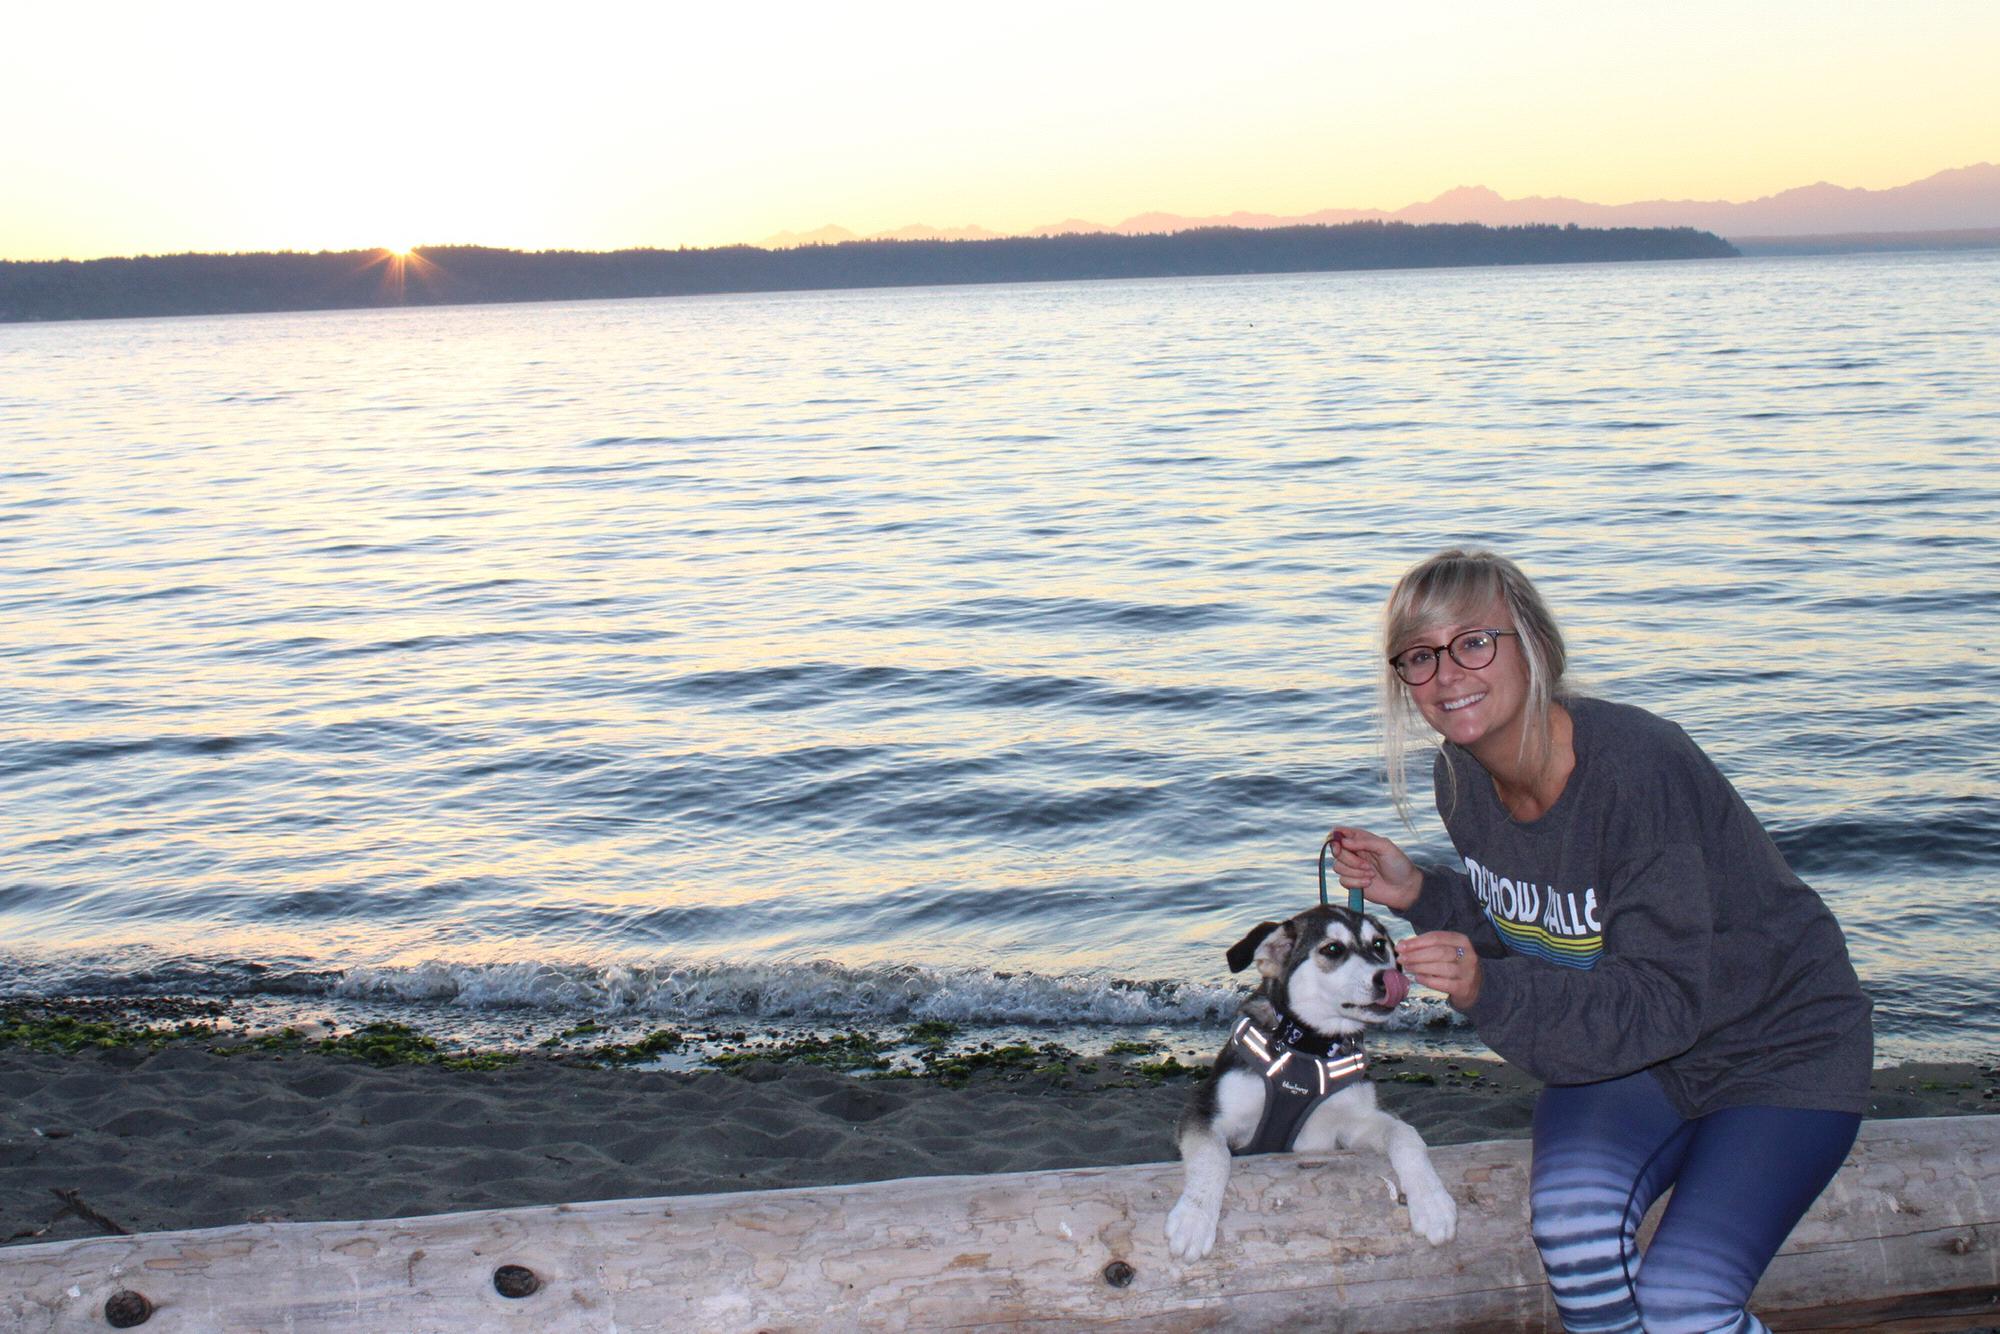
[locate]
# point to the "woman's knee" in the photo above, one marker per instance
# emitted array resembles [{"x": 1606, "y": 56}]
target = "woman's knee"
[
  {"x": 1582, "y": 1188},
  {"x": 1565, "y": 1205},
  {"x": 1582, "y": 1229},
  {"x": 1678, "y": 1303}
]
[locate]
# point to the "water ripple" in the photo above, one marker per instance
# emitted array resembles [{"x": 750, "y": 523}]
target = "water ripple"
[{"x": 607, "y": 653}]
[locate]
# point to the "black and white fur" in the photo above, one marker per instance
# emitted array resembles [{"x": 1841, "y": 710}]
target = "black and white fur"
[{"x": 1326, "y": 968}]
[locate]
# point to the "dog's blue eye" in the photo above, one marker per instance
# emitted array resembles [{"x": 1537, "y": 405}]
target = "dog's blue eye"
[
  {"x": 1378, "y": 949},
  {"x": 1333, "y": 949}
]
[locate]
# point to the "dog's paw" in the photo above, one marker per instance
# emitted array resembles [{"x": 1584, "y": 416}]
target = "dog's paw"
[
  {"x": 1433, "y": 1213},
  {"x": 1191, "y": 1230}
]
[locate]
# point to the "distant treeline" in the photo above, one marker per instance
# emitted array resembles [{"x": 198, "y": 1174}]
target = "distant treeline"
[{"x": 451, "y": 275}]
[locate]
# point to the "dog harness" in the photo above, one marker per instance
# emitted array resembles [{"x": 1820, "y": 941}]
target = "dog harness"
[{"x": 1301, "y": 1069}]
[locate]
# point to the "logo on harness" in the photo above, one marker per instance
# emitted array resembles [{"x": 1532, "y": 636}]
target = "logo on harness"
[{"x": 1334, "y": 1065}]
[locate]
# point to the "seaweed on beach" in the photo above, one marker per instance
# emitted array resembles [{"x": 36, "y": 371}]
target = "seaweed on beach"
[
  {"x": 648, "y": 1048},
  {"x": 1171, "y": 1067},
  {"x": 1012, "y": 1058},
  {"x": 927, "y": 1050},
  {"x": 62, "y": 1031},
  {"x": 379, "y": 1044},
  {"x": 854, "y": 1051},
  {"x": 399, "y": 1044}
]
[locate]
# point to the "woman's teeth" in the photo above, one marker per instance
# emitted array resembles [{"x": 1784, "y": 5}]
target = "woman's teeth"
[{"x": 1452, "y": 706}]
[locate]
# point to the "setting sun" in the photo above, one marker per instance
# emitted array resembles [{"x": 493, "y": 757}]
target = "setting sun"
[{"x": 857, "y": 124}]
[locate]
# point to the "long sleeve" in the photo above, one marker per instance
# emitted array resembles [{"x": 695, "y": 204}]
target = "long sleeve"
[
  {"x": 1646, "y": 921},
  {"x": 1446, "y": 903},
  {"x": 1642, "y": 1003}
]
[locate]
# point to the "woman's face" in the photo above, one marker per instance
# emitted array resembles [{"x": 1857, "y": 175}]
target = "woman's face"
[{"x": 1474, "y": 707}]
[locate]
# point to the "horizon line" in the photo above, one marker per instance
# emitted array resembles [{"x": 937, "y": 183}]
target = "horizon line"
[{"x": 1155, "y": 222}]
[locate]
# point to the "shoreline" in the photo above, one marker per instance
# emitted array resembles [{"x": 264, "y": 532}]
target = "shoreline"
[
  {"x": 39, "y": 291},
  {"x": 199, "y": 1131}
]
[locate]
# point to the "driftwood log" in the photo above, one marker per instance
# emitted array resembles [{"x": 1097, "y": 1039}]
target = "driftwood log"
[{"x": 1904, "y": 1239}]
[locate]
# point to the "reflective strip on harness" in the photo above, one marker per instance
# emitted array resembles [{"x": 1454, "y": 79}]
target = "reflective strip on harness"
[{"x": 1288, "y": 1101}]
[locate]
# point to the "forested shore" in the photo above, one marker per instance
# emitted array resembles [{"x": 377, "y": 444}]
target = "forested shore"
[{"x": 206, "y": 284}]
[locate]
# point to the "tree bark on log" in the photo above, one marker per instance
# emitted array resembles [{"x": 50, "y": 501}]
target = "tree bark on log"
[{"x": 1905, "y": 1238}]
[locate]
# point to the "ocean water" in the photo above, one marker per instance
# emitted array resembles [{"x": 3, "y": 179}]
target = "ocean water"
[{"x": 990, "y": 654}]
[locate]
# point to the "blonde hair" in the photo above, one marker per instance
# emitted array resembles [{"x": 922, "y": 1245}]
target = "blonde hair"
[{"x": 1454, "y": 587}]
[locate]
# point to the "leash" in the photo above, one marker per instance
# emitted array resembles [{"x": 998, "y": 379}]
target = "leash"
[{"x": 1354, "y": 901}]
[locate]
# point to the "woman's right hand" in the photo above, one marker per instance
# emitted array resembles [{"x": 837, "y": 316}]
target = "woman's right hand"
[{"x": 1375, "y": 866}]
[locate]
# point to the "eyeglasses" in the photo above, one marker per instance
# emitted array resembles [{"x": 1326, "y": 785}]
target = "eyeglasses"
[{"x": 1471, "y": 650}]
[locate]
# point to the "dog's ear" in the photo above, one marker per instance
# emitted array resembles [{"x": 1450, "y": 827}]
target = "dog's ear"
[
  {"x": 1244, "y": 950},
  {"x": 1259, "y": 946}
]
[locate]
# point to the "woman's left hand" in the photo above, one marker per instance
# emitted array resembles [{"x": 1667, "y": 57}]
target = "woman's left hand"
[{"x": 1443, "y": 961}]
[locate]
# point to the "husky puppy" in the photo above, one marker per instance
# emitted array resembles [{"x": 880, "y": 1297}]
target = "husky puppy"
[{"x": 1292, "y": 1075}]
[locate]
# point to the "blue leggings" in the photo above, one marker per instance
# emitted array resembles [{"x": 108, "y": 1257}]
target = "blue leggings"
[{"x": 1742, "y": 1178}]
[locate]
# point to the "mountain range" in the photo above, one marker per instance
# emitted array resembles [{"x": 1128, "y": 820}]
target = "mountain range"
[{"x": 1960, "y": 199}]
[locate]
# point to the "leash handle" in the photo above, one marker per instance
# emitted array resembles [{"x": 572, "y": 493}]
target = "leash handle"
[{"x": 1354, "y": 901}]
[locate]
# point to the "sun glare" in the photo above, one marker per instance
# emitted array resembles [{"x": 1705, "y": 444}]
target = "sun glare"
[{"x": 401, "y": 268}]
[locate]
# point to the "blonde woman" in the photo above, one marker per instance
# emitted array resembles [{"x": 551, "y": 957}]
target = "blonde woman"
[{"x": 1620, "y": 926}]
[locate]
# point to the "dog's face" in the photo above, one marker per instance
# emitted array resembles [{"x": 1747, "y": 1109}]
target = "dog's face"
[{"x": 1332, "y": 967}]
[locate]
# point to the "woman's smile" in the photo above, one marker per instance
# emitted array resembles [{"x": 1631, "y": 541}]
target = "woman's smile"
[{"x": 1474, "y": 705}]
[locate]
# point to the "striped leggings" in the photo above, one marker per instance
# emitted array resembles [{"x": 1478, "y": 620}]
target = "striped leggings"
[{"x": 1742, "y": 1178}]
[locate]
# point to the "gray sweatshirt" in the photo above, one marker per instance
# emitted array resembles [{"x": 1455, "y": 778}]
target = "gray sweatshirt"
[{"x": 1647, "y": 921}]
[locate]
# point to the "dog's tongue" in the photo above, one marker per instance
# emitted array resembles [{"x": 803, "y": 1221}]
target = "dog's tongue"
[{"x": 1394, "y": 987}]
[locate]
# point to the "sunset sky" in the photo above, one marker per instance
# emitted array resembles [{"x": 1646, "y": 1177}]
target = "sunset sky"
[{"x": 148, "y": 128}]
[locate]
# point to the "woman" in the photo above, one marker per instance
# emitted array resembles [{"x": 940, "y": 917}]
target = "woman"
[{"x": 1623, "y": 929}]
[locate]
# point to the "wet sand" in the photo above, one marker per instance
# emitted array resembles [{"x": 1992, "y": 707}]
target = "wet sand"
[{"x": 161, "y": 1138}]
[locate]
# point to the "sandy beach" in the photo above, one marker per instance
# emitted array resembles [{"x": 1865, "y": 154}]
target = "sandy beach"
[{"x": 160, "y": 1137}]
